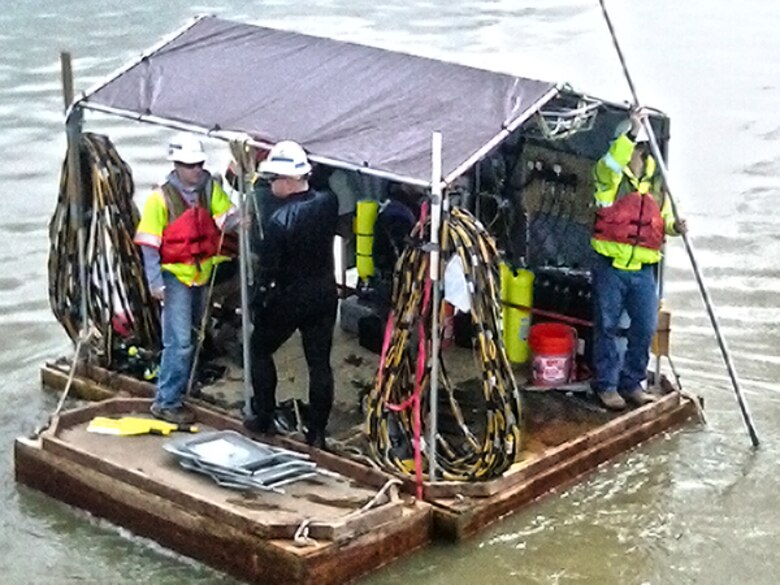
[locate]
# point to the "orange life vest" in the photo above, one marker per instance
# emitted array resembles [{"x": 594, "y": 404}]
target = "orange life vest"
[
  {"x": 191, "y": 235},
  {"x": 633, "y": 219}
]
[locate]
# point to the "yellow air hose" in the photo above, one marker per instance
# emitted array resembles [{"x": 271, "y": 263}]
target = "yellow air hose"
[{"x": 403, "y": 378}]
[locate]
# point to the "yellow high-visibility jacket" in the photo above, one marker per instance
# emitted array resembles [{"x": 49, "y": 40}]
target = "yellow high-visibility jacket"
[
  {"x": 154, "y": 220},
  {"x": 613, "y": 180}
]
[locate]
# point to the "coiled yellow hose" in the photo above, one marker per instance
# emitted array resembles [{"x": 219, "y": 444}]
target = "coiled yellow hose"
[{"x": 402, "y": 381}]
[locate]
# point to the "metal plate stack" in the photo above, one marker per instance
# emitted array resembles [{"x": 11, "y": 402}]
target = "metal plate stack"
[{"x": 232, "y": 460}]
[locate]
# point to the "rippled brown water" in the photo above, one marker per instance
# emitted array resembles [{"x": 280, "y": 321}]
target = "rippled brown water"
[{"x": 696, "y": 507}]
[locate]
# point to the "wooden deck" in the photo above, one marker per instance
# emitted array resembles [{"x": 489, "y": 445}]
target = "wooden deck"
[
  {"x": 134, "y": 483},
  {"x": 460, "y": 513},
  {"x": 564, "y": 438}
]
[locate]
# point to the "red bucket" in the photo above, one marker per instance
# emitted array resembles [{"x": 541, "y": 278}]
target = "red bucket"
[{"x": 552, "y": 346}]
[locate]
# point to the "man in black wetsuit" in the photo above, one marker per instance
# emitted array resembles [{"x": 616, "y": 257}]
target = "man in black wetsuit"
[{"x": 295, "y": 288}]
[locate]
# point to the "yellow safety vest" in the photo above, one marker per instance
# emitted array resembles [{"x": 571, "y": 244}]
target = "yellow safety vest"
[
  {"x": 154, "y": 220},
  {"x": 613, "y": 180}
]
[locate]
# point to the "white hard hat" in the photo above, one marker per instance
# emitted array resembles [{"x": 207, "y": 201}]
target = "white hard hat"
[
  {"x": 286, "y": 158},
  {"x": 186, "y": 148}
]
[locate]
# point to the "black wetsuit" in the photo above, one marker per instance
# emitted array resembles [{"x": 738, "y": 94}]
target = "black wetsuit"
[{"x": 296, "y": 290}]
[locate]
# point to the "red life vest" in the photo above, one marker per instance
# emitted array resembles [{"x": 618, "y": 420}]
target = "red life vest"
[
  {"x": 191, "y": 235},
  {"x": 633, "y": 219}
]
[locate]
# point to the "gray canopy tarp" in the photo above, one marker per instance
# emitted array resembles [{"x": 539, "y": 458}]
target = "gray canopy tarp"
[{"x": 359, "y": 105}]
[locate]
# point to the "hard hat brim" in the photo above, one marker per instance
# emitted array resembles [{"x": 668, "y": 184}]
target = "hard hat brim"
[
  {"x": 187, "y": 158},
  {"x": 284, "y": 169}
]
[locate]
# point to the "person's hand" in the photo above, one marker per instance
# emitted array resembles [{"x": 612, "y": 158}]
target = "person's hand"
[
  {"x": 637, "y": 121},
  {"x": 158, "y": 293},
  {"x": 245, "y": 222},
  {"x": 681, "y": 226},
  {"x": 264, "y": 296}
]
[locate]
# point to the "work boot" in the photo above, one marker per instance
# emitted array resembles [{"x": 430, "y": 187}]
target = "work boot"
[
  {"x": 612, "y": 400},
  {"x": 639, "y": 397},
  {"x": 262, "y": 424},
  {"x": 178, "y": 415},
  {"x": 316, "y": 438}
]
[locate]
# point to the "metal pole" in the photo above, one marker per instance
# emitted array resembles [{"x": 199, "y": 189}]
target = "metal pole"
[
  {"x": 73, "y": 124},
  {"x": 660, "y": 290},
  {"x": 434, "y": 260},
  {"x": 66, "y": 69},
  {"x": 743, "y": 406},
  {"x": 243, "y": 255}
]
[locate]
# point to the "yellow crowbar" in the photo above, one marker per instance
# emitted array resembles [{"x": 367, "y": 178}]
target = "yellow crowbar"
[{"x": 131, "y": 425}]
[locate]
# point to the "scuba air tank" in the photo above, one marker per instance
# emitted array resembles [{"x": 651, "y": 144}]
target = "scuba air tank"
[
  {"x": 516, "y": 288},
  {"x": 365, "y": 217}
]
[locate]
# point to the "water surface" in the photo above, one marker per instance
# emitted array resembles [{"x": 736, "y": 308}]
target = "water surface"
[{"x": 698, "y": 506}]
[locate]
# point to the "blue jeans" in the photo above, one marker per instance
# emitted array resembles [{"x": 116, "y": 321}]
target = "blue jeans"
[
  {"x": 182, "y": 310},
  {"x": 614, "y": 291}
]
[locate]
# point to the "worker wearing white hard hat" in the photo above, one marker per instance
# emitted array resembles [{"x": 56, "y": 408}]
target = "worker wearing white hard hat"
[
  {"x": 295, "y": 288},
  {"x": 187, "y": 149},
  {"x": 286, "y": 159},
  {"x": 180, "y": 234}
]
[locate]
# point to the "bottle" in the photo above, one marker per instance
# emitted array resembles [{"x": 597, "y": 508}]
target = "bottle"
[{"x": 448, "y": 325}]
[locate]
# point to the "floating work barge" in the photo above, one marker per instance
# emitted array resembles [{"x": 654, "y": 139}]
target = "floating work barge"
[
  {"x": 325, "y": 530},
  {"x": 516, "y": 153}
]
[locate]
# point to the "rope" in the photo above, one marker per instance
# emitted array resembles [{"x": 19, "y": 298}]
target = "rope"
[
  {"x": 301, "y": 536},
  {"x": 375, "y": 500},
  {"x": 399, "y": 397},
  {"x": 65, "y": 392},
  {"x": 201, "y": 337},
  {"x": 116, "y": 283},
  {"x": 694, "y": 399}
]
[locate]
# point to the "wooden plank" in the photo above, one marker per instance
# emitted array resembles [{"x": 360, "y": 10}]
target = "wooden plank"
[
  {"x": 375, "y": 549},
  {"x": 456, "y": 520},
  {"x": 224, "y": 547},
  {"x": 209, "y": 415},
  {"x": 242, "y": 554},
  {"x": 117, "y": 381},
  {"x": 95, "y": 380},
  {"x": 112, "y": 407},
  {"x": 436, "y": 492},
  {"x": 96, "y": 383},
  {"x": 141, "y": 481},
  {"x": 550, "y": 457},
  {"x": 337, "y": 530},
  {"x": 55, "y": 378}
]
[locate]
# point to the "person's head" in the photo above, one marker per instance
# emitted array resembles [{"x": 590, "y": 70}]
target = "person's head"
[
  {"x": 635, "y": 129},
  {"x": 286, "y": 168},
  {"x": 639, "y": 156},
  {"x": 408, "y": 195},
  {"x": 186, "y": 153}
]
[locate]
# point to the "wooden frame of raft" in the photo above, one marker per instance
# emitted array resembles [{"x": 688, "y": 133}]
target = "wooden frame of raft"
[
  {"x": 461, "y": 510},
  {"x": 85, "y": 471}
]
